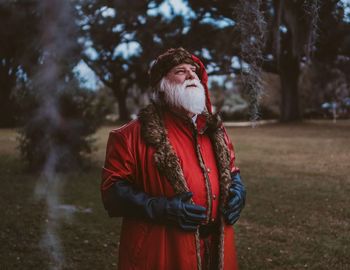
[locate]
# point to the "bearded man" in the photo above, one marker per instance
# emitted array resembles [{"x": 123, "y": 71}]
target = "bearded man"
[{"x": 171, "y": 175}]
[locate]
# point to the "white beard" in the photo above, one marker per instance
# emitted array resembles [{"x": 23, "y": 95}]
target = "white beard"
[{"x": 192, "y": 98}]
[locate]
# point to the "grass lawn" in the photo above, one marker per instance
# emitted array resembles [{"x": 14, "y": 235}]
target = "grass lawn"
[{"x": 297, "y": 214}]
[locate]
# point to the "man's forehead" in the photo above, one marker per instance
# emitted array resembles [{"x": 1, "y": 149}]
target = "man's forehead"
[{"x": 184, "y": 65}]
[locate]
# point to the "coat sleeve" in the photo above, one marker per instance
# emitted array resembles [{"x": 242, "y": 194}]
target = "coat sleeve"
[
  {"x": 119, "y": 161},
  {"x": 229, "y": 144},
  {"x": 119, "y": 164}
]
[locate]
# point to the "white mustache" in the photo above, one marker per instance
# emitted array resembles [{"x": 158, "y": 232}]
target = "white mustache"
[{"x": 191, "y": 82}]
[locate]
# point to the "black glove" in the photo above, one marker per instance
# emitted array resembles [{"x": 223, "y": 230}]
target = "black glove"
[
  {"x": 236, "y": 200},
  {"x": 135, "y": 203}
]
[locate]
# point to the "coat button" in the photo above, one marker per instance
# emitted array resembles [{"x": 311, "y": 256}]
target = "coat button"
[
  {"x": 212, "y": 219},
  {"x": 214, "y": 197},
  {"x": 208, "y": 170}
]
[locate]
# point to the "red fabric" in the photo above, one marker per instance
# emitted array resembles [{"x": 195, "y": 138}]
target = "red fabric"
[
  {"x": 144, "y": 245},
  {"x": 203, "y": 76}
]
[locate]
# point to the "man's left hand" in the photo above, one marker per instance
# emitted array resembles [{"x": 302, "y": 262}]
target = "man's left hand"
[{"x": 236, "y": 200}]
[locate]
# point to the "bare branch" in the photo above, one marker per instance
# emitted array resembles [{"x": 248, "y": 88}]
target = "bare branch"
[{"x": 97, "y": 71}]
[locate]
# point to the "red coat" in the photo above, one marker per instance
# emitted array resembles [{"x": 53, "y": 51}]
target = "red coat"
[{"x": 163, "y": 155}]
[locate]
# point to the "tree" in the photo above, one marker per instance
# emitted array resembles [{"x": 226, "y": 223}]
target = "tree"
[
  {"x": 105, "y": 25},
  {"x": 57, "y": 116},
  {"x": 18, "y": 53},
  {"x": 296, "y": 32},
  {"x": 277, "y": 36},
  {"x": 290, "y": 42},
  {"x": 109, "y": 28},
  {"x": 326, "y": 79}
]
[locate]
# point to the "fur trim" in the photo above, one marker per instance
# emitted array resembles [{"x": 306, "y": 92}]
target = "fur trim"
[
  {"x": 155, "y": 134},
  {"x": 166, "y": 61},
  {"x": 168, "y": 164}
]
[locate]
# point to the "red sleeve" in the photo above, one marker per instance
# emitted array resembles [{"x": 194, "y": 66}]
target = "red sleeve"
[
  {"x": 233, "y": 168},
  {"x": 119, "y": 162}
]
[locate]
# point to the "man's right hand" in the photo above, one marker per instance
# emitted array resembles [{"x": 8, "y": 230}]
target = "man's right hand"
[
  {"x": 186, "y": 215},
  {"x": 135, "y": 203}
]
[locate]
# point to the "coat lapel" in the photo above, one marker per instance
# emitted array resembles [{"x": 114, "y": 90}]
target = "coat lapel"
[{"x": 155, "y": 134}]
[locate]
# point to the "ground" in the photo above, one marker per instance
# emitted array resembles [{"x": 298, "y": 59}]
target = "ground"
[{"x": 296, "y": 217}]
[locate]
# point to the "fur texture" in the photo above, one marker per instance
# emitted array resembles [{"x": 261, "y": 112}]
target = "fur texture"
[{"x": 167, "y": 61}]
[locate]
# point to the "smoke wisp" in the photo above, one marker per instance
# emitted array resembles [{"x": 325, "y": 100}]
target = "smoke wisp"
[{"x": 48, "y": 81}]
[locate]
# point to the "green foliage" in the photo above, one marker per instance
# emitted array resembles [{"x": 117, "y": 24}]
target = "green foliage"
[{"x": 78, "y": 114}]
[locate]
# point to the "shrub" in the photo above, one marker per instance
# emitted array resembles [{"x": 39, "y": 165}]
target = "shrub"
[{"x": 58, "y": 130}]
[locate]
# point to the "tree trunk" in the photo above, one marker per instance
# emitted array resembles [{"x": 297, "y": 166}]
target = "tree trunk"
[
  {"x": 289, "y": 74},
  {"x": 7, "y": 104},
  {"x": 123, "y": 110},
  {"x": 7, "y": 116}
]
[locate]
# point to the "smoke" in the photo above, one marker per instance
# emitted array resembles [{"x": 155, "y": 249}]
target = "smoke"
[
  {"x": 48, "y": 188},
  {"x": 48, "y": 81}
]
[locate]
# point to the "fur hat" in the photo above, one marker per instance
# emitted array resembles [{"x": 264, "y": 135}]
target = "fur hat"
[{"x": 166, "y": 61}]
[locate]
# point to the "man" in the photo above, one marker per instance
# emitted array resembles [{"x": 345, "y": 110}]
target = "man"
[{"x": 170, "y": 174}]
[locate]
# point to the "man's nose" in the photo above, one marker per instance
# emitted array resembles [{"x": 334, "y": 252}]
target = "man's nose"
[{"x": 190, "y": 75}]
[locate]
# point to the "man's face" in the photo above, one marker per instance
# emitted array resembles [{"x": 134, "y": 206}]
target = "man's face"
[
  {"x": 180, "y": 73},
  {"x": 182, "y": 89}
]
